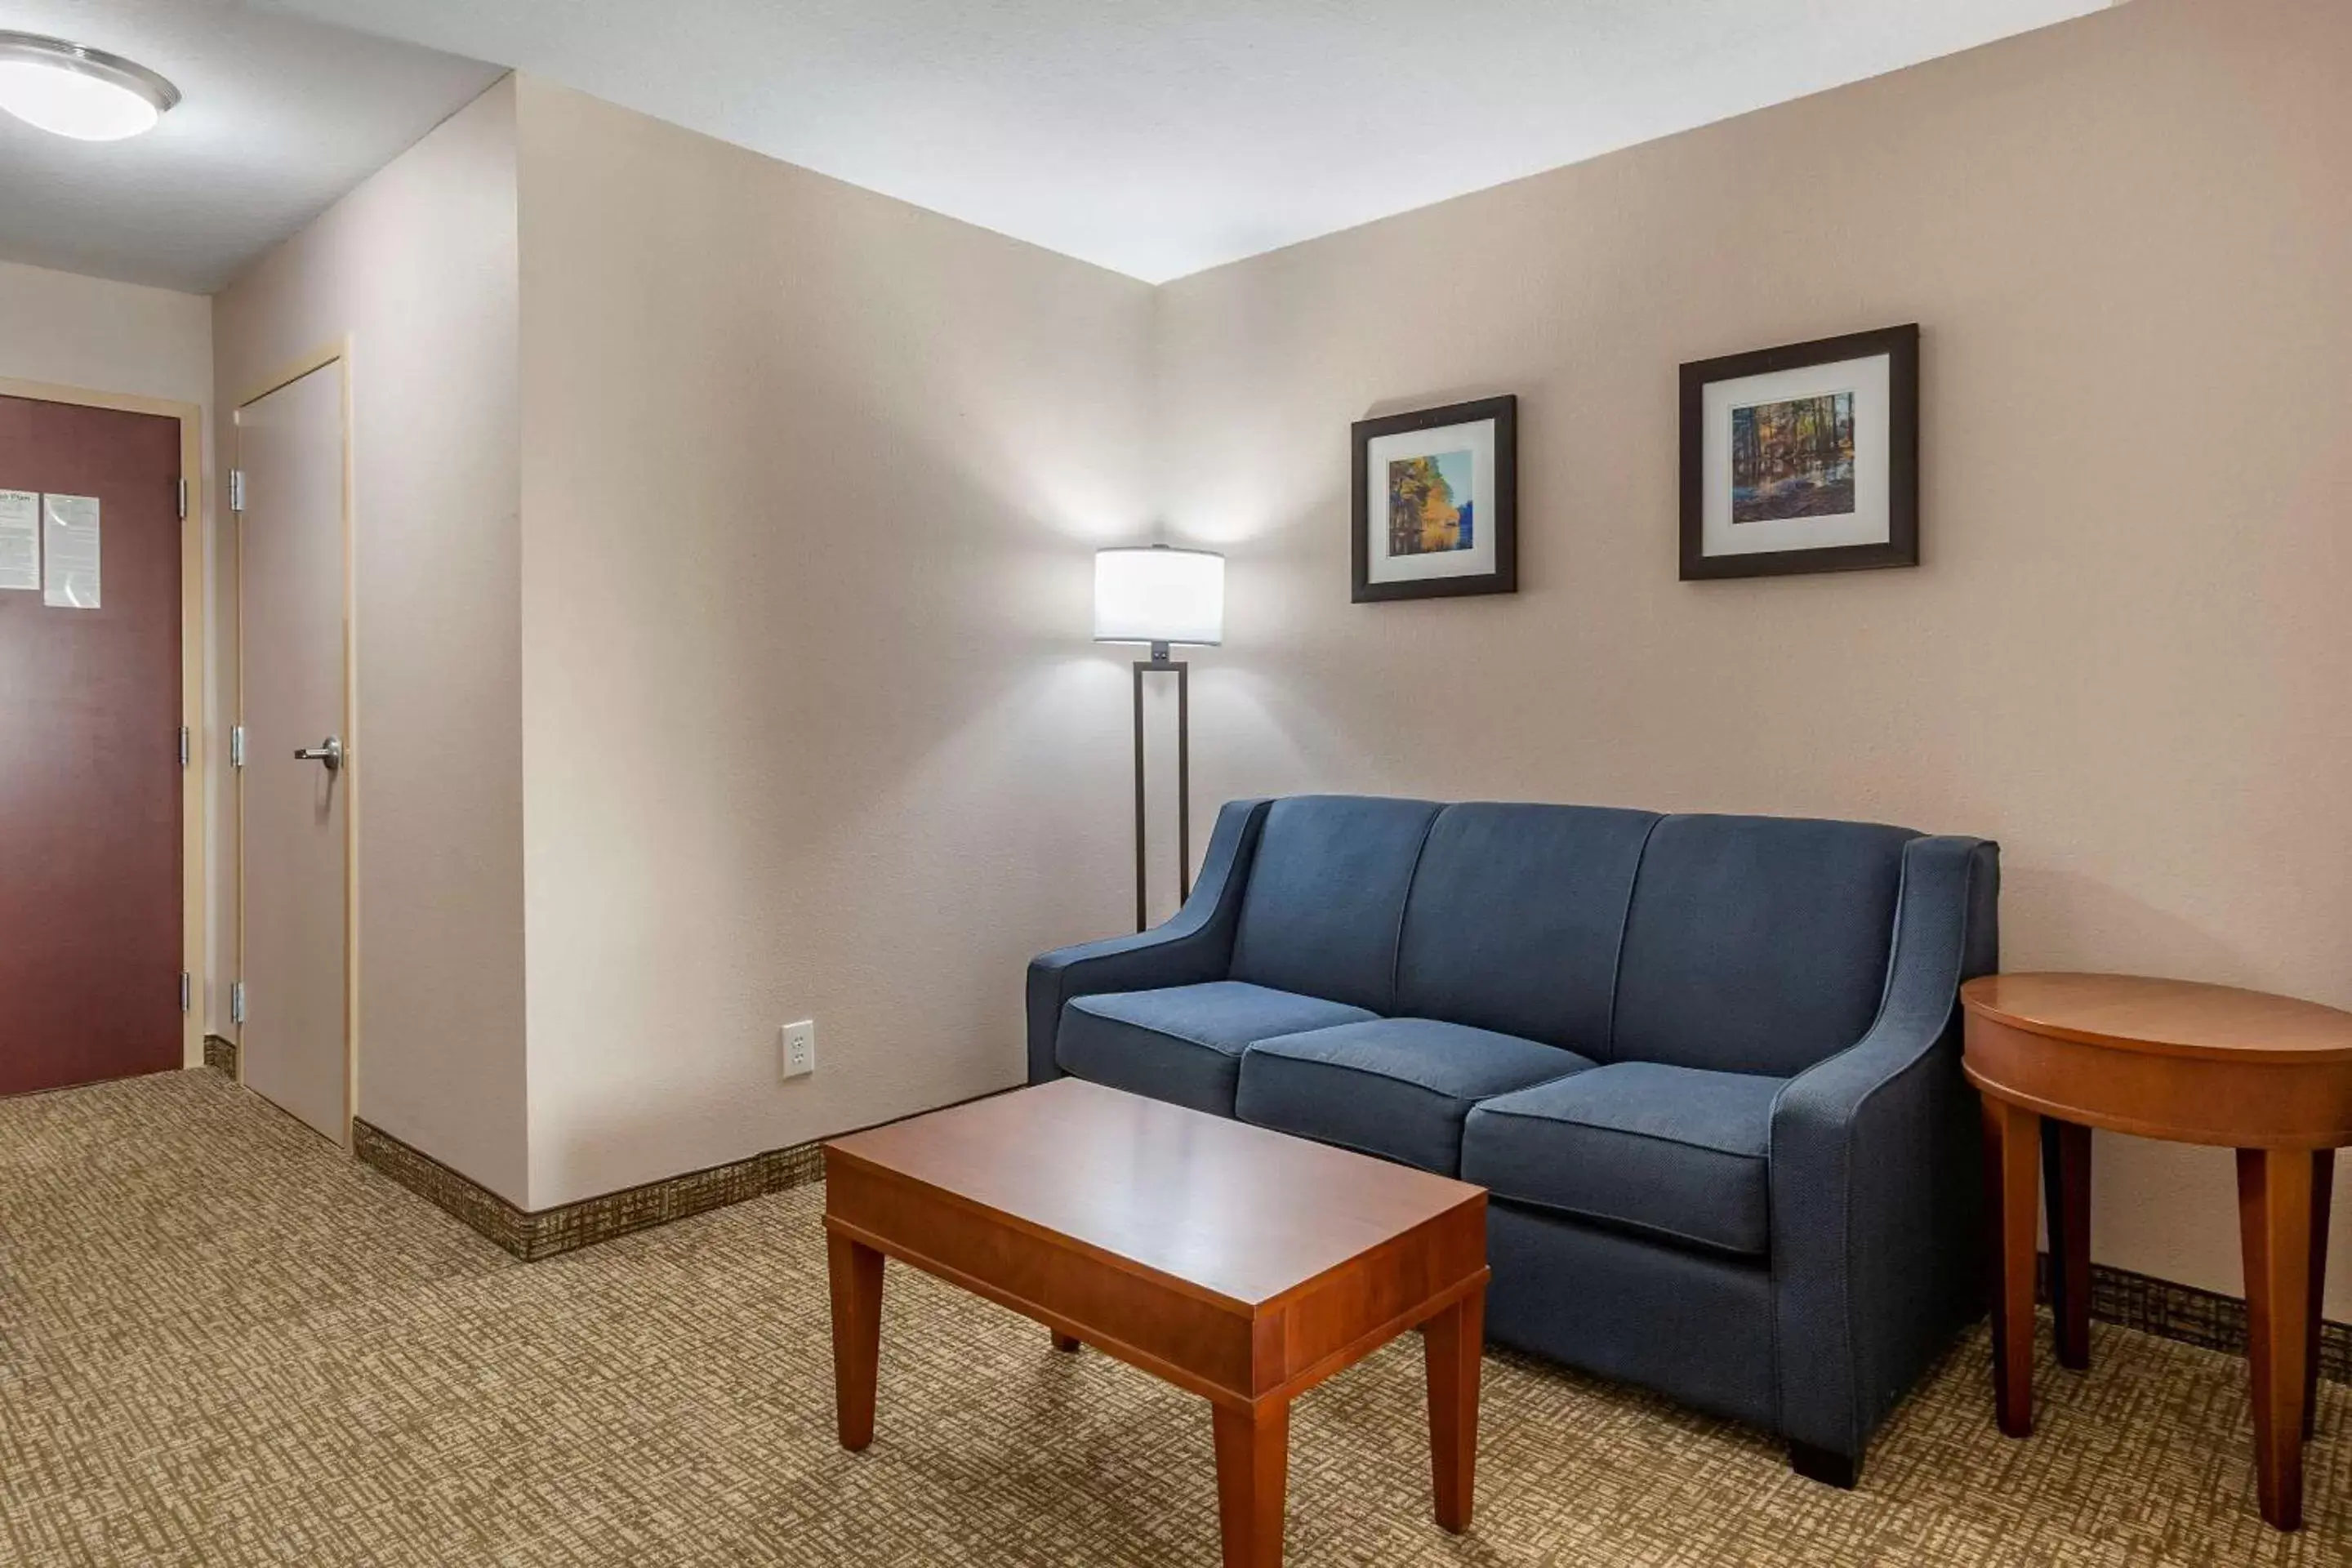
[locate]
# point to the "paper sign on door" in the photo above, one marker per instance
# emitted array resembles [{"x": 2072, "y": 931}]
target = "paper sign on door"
[
  {"x": 69, "y": 551},
  {"x": 20, "y": 539}
]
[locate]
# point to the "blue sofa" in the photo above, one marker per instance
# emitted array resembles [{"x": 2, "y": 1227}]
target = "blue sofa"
[{"x": 1708, "y": 1068}]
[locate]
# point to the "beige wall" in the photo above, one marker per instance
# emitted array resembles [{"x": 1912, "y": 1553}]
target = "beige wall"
[
  {"x": 66, "y": 330},
  {"x": 63, "y": 328},
  {"x": 811, "y": 479},
  {"x": 418, "y": 269},
  {"x": 2129, "y": 242}
]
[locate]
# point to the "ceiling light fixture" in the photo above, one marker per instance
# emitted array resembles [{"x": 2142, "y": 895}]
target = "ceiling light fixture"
[{"x": 87, "y": 94}]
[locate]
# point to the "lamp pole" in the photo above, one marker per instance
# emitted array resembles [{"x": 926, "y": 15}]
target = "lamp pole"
[{"x": 1160, "y": 664}]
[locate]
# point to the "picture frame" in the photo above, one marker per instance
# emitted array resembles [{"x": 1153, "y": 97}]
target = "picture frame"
[
  {"x": 1802, "y": 458},
  {"x": 1435, "y": 502}
]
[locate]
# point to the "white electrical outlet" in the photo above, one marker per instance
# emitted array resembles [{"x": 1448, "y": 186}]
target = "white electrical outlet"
[{"x": 800, "y": 1048}]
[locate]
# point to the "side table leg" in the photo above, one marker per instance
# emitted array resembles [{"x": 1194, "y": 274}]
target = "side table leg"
[
  {"x": 2067, "y": 1190},
  {"x": 856, "y": 1272},
  {"x": 2011, "y": 1151},
  {"x": 1253, "y": 1473},
  {"x": 2274, "y": 1215},
  {"x": 1451, "y": 1343},
  {"x": 2322, "y": 1194}
]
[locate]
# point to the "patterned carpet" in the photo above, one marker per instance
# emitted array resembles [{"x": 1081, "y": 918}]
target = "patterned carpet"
[{"x": 223, "y": 1342}]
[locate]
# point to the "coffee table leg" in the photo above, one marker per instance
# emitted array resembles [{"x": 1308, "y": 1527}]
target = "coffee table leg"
[
  {"x": 2274, "y": 1213},
  {"x": 2012, "y": 1172},
  {"x": 1253, "y": 1471},
  {"x": 856, "y": 1272},
  {"x": 1450, "y": 1343}
]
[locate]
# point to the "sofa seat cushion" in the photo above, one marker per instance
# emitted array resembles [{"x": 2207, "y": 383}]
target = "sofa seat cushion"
[
  {"x": 1677, "y": 1152},
  {"x": 1184, "y": 1044},
  {"x": 1398, "y": 1088}
]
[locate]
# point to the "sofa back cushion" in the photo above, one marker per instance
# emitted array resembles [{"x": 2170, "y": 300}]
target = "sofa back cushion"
[
  {"x": 1755, "y": 943},
  {"x": 1327, "y": 894},
  {"x": 1514, "y": 918}
]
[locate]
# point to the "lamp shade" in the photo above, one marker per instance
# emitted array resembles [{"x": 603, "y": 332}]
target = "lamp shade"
[{"x": 1160, "y": 596}]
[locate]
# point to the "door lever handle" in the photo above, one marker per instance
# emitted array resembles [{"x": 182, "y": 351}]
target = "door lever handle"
[{"x": 329, "y": 751}]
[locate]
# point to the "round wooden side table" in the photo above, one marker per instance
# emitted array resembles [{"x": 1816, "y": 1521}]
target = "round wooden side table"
[{"x": 2057, "y": 1055}]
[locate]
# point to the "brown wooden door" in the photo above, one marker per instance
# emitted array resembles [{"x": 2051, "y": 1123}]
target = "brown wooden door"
[
  {"x": 91, "y": 849},
  {"x": 294, "y": 1047}
]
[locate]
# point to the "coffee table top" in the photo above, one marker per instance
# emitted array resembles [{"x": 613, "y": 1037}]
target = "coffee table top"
[
  {"x": 2164, "y": 1017},
  {"x": 1234, "y": 1211}
]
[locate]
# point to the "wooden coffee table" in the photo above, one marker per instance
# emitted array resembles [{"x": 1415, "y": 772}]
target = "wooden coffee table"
[{"x": 1243, "y": 1265}]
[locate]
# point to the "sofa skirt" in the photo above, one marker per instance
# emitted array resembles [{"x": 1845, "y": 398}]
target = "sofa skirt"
[{"x": 1689, "y": 1325}]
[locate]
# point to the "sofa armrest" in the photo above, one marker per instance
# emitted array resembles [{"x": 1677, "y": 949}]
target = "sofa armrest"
[
  {"x": 1194, "y": 945},
  {"x": 1874, "y": 1181}
]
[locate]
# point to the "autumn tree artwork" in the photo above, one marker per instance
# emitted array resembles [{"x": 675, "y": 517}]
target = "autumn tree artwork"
[
  {"x": 1432, "y": 506},
  {"x": 1429, "y": 503},
  {"x": 1793, "y": 458}
]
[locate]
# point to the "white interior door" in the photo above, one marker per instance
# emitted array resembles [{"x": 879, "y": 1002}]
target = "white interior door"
[{"x": 295, "y": 784}]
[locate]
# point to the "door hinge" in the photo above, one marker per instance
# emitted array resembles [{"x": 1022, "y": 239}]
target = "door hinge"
[
  {"x": 236, "y": 746},
  {"x": 183, "y": 500},
  {"x": 237, "y": 1002},
  {"x": 183, "y": 745},
  {"x": 187, "y": 990},
  {"x": 237, "y": 489}
]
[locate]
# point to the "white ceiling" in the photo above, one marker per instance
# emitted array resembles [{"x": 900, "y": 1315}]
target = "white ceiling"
[
  {"x": 279, "y": 117},
  {"x": 1158, "y": 137}
]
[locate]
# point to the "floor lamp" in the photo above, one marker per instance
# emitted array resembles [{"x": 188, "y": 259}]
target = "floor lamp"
[{"x": 1166, "y": 598}]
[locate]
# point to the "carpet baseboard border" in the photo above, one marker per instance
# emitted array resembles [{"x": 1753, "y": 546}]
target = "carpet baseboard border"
[
  {"x": 220, "y": 1053},
  {"x": 2183, "y": 1313},
  {"x": 533, "y": 1235}
]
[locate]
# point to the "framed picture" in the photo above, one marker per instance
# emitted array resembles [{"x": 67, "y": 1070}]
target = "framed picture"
[
  {"x": 1437, "y": 502},
  {"x": 1803, "y": 458}
]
